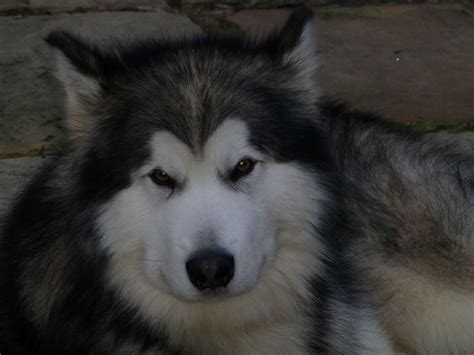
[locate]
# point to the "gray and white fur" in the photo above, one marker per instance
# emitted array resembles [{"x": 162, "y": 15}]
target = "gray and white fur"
[{"x": 207, "y": 201}]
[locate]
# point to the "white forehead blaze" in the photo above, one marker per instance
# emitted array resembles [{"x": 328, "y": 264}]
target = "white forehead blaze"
[
  {"x": 225, "y": 147},
  {"x": 229, "y": 143},
  {"x": 206, "y": 213}
]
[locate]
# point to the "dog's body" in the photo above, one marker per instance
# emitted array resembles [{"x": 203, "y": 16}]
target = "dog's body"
[
  {"x": 198, "y": 209},
  {"x": 411, "y": 203}
]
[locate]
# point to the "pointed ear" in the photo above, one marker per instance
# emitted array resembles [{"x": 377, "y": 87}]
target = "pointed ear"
[
  {"x": 79, "y": 66},
  {"x": 296, "y": 47}
]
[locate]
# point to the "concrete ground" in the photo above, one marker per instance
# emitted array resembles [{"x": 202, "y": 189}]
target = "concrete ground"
[{"x": 412, "y": 63}]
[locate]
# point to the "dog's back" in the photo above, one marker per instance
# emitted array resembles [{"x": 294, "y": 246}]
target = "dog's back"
[{"x": 411, "y": 206}]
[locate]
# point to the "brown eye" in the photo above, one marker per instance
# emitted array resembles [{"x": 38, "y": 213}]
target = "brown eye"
[
  {"x": 243, "y": 167},
  {"x": 161, "y": 178}
]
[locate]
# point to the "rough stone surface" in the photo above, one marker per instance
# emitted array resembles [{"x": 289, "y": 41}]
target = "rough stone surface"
[
  {"x": 245, "y": 3},
  {"x": 407, "y": 62},
  {"x": 74, "y": 4},
  {"x": 30, "y": 97},
  {"x": 56, "y": 6},
  {"x": 12, "y": 4},
  {"x": 259, "y": 23},
  {"x": 14, "y": 173}
]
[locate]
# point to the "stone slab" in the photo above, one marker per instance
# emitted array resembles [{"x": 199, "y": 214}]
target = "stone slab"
[
  {"x": 407, "y": 62},
  {"x": 12, "y": 4},
  {"x": 30, "y": 97},
  {"x": 55, "y": 6},
  {"x": 37, "y": 7},
  {"x": 108, "y": 4}
]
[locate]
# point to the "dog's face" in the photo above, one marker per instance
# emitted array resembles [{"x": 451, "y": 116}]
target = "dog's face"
[
  {"x": 211, "y": 227},
  {"x": 204, "y": 220},
  {"x": 202, "y": 156}
]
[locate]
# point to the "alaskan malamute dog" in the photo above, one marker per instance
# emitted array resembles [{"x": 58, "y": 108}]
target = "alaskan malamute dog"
[
  {"x": 193, "y": 210},
  {"x": 203, "y": 205}
]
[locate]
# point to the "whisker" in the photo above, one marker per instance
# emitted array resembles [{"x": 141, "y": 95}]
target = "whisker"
[
  {"x": 154, "y": 260},
  {"x": 176, "y": 243}
]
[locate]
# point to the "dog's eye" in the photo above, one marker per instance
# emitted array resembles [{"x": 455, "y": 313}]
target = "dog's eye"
[
  {"x": 161, "y": 178},
  {"x": 243, "y": 167}
]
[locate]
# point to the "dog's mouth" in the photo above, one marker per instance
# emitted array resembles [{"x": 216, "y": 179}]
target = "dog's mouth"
[
  {"x": 207, "y": 296},
  {"x": 215, "y": 294}
]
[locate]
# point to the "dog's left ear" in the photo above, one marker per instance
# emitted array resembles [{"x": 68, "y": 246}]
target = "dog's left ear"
[
  {"x": 295, "y": 46},
  {"x": 80, "y": 67}
]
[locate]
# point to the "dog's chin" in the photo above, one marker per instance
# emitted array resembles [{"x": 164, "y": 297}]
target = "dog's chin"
[
  {"x": 210, "y": 296},
  {"x": 193, "y": 295},
  {"x": 217, "y": 295}
]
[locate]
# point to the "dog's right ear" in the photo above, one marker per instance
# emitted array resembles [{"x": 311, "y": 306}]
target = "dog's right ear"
[
  {"x": 294, "y": 46},
  {"x": 80, "y": 68}
]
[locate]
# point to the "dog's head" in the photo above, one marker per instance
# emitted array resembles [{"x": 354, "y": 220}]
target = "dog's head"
[{"x": 204, "y": 155}]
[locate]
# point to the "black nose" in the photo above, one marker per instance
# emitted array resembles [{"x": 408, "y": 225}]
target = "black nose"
[{"x": 210, "y": 269}]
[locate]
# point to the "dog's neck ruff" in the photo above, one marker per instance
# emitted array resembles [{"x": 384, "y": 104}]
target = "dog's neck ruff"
[{"x": 273, "y": 310}]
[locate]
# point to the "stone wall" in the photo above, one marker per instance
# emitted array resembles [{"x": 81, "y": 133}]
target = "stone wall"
[{"x": 53, "y": 6}]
